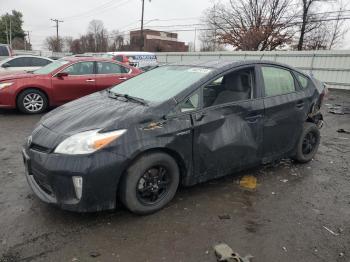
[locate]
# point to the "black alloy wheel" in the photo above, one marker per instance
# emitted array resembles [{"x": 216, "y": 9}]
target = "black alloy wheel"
[
  {"x": 150, "y": 183},
  {"x": 152, "y": 187},
  {"x": 308, "y": 143}
]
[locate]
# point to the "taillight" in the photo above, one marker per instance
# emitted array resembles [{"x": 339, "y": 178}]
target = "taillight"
[
  {"x": 324, "y": 95},
  {"x": 125, "y": 59}
]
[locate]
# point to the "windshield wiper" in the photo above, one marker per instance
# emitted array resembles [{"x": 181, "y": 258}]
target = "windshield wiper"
[{"x": 128, "y": 97}]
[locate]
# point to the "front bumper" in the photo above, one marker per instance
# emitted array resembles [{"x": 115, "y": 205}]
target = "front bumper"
[
  {"x": 51, "y": 178},
  {"x": 7, "y": 98}
]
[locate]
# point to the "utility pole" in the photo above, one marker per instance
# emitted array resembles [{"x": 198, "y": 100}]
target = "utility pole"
[
  {"x": 194, "y": 40},
  {"x": 28, "y": 34},
  {"x": 10, "y": 32},
  {"x": 57, "y": 39},
  {"x": 7, "y": 32},
  {"x": 142, "y": 40},
  {"x": 25, "y": 41}
]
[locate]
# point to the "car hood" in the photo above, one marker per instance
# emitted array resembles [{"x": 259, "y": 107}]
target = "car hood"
[
  {"x": 15, "y": 75},
  {"x": 97, "y": 111}
]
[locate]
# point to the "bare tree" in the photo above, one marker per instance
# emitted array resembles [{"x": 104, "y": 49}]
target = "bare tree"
[
  {"x": 320, "y": 30},
  {"x": 116, "y": 41},
  {"x": 338, "y": 30},
  {"x": 252, "y": 24},
  {"x": 100, "y": 35},
  {"x": 54, "y": 44},
  {"x": 307, "y": 24}
]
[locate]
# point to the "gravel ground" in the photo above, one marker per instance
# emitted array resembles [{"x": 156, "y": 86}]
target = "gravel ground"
[{"x": 297, "y": 212}]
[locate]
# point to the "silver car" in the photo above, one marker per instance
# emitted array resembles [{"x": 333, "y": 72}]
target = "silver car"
[{"x": 23, "y": 63}]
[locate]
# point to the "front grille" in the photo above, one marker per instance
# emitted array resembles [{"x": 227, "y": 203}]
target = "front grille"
[
  {"x": 42, "y": 181},
  {"x": 40, "y": 148}
]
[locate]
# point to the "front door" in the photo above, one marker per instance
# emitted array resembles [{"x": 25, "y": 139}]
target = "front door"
[
  {"x": 285, "y": 112},
  {"x": 228, "y": 130},
  {"x": 79, "y": 82},
  {"x": 110, "y": 74}
]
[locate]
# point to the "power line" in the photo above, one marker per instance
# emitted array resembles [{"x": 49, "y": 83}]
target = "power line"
[{"x": 98, "y": 10}]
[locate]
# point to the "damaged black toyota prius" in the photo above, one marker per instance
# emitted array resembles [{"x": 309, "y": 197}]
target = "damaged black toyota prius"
[{"x": 179, "y": 124}]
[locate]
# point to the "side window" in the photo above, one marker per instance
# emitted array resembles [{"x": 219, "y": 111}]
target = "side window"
[
  {"x": 277, "y": 81},
  {"x": 4, "y": 51},
  {"x": 110, "y": 68},
  {"x": 190, "y": 104},
  {"x": 36, "y": 61},
  {"x": 20, "y": 62},
  {"x": 232, "y": 87},
  {"x": 303, "y": 80},
  {"x": 82, "y": 68}
]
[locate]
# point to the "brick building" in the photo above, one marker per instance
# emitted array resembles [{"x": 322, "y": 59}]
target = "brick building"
[{"x": 157, "y": 41}]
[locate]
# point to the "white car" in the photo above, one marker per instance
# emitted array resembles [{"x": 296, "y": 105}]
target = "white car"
[{"x": 23, "y": 63}]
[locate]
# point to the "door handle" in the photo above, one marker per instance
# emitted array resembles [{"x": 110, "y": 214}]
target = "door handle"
[
  {"x": 300, "y": 104},
  {"x": 253, "y": 119},
  {"x": 123, "y": 78},
  {"x": 90, "y": 80},
  {"x": 199, "y": 116}
]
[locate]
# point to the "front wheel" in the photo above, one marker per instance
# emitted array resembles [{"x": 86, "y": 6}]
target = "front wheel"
[
  {"x": 32, "y": 101},
  {"x": 149, "y": 183},
  {"x": 308, "y": 143}
]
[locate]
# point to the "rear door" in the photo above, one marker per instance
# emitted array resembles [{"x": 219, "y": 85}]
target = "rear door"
[
  {"x": 110, "y": 74},
  {"x": 79, "y": 82},
  {"x": 228, "y": 130},
  {"x": 284, "y": 111}
]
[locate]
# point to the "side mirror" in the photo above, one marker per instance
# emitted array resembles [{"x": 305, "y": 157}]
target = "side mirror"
[
  {"x": 61, "y": 74},
  {"x": 5, "y": 65}
]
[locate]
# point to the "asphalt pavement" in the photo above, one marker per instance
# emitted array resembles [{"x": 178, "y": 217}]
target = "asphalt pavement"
[{"x": 295, "y": 213}]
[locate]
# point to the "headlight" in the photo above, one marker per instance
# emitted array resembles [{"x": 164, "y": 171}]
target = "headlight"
[
  {"x": 87, "y": 142},
  {"x": 5, "y": 84}
]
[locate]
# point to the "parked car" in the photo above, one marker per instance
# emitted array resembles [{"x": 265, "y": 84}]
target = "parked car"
[
  {"x": 23, "y": 63},
  {"x": 5, "y": 51},
  {"x": 142, "y": 60},
  {"x": 60, "y": 82},
  {"x": 177, "y": 124}
]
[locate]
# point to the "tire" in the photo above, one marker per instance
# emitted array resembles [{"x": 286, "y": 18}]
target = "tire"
[
  {"x": 32, "y": 101},
  {"x": 305, "y": 152},
  {"x": 145, "y": 178}
]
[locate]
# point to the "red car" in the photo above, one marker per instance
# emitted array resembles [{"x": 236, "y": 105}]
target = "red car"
[{"x": 60, "y": 82}]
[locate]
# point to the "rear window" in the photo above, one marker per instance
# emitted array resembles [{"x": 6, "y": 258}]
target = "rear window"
[
  {"x": 4, "y": 51},
  {"x": 304, "y": 81}
]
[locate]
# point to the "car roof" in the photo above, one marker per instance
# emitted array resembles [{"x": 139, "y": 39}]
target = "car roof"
[
  {"x": 87, "y": 58},
  {"x": 130, "y": 53},
  {"x": 36, "y": 56},
  {"x": 222, "y": 64}
]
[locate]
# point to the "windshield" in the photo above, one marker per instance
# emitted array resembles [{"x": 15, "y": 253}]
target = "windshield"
[
  {"x": 50, "y": 67},
  {"x": 162, "y": 83}
]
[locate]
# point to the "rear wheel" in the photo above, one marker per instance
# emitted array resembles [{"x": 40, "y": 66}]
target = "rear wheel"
[
  {"x": 32, "y": 101},
  {"x": 308, "y": 143},
  {"x": 150, "y": 183}
]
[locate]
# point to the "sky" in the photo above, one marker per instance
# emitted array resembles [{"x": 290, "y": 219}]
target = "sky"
[{"x": 121, "y": 15}]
